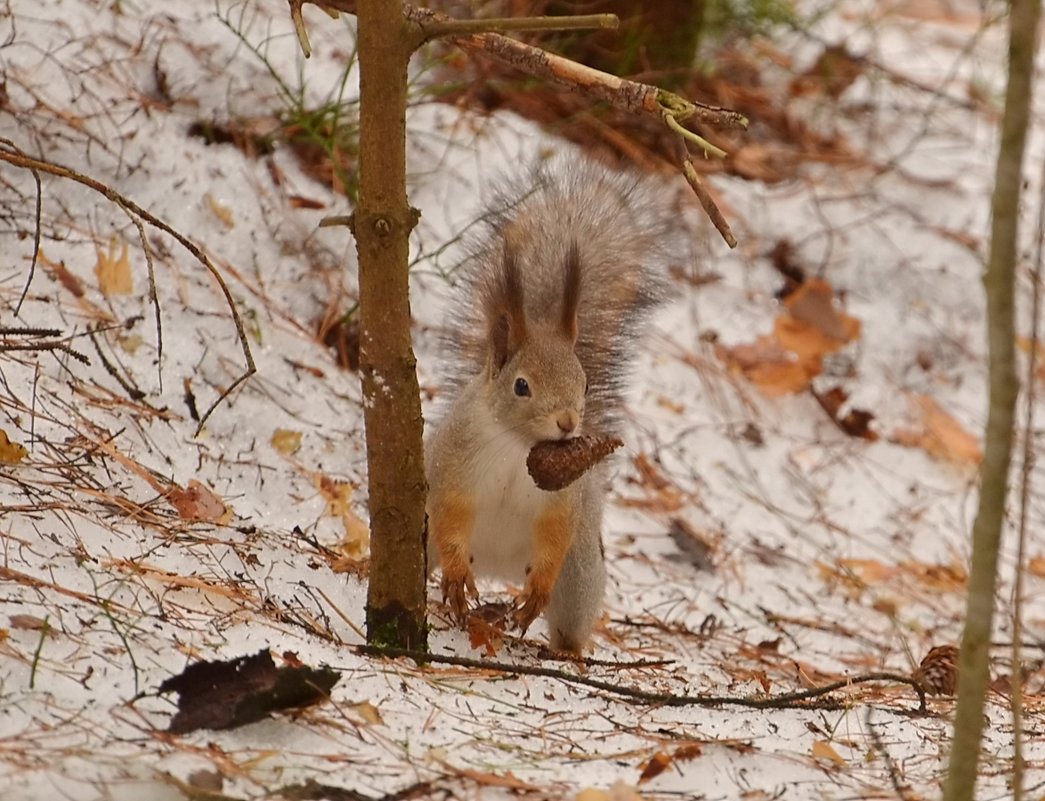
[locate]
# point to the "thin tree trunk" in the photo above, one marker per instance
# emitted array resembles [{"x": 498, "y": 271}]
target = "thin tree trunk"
[
  {"x": 999, "y": 282},
  {"x": 382, "y": 222}
]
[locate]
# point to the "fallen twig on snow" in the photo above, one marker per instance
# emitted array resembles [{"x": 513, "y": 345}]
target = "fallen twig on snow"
[
  {"x": 10, "y": 153},
  {"x": 793, "y": 700}
]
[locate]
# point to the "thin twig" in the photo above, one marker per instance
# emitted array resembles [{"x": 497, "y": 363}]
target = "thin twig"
[
  {"x": 153, "y": 297},
  {"x": 706, "y": 202},
  {"x": 467, "y": 27},
  {"x": 37, "y": 213},
  {"x": 132, "y": 391},
  {"x": 14, "y": 156},
  {"x": 785, "y": 701},
  {"x": 345, "y": 618},
  {"x": 901, "y": 790},
  {"x": 45, "y": 629}
]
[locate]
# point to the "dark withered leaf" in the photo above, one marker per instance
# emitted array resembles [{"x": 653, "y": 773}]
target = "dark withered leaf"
[
  {"x": 227, "y": 694},
  {"x": 694, "y": 546}
]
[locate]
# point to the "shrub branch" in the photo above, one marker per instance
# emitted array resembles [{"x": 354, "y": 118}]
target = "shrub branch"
[{"x": 638, "y": 98}]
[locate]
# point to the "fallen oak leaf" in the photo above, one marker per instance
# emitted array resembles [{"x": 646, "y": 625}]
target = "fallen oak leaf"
[
  {"x": 771, "y": 367},
  {"x": 814, "y": 303},
  {"x": 823, "y": 750},
  {"x": 198, "y": 503},
  {"x": 940, "y": 435}
]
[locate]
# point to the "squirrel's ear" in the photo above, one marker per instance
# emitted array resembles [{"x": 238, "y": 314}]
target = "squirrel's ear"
[
  {"x": 508, "y": 328},
  {"x": 571, "y": 293}
]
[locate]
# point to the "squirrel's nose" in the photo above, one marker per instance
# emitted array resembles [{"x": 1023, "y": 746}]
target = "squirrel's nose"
[{"x": 567, "y": 422}]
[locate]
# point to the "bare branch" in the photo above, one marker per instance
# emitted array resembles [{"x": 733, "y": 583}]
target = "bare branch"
[
  {"x": 462, "y": 27},
  {"x": 637, "y": 98}
]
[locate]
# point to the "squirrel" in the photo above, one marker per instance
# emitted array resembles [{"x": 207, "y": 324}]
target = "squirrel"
[{"x": 542, "y": 328}]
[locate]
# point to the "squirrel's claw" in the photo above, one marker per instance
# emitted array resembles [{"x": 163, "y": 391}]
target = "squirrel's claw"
[
  {"x": 529, "y": 606},
  {"x": 456, "y": 592}
]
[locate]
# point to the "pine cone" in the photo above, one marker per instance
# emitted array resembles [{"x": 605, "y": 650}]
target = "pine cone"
[
  {"x": 555, "y": 464},
  {"x": 938, "y": 672}
]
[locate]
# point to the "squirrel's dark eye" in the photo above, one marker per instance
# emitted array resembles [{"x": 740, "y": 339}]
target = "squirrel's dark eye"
[
  {"x": 522, "y": 389},
  {"x": 587, "y": 386}
]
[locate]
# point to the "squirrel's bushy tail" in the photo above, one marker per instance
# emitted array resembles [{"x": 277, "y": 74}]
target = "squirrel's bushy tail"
[{"x": 627, "y": 234}]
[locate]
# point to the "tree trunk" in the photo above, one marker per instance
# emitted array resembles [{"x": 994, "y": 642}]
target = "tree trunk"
[
  {"x": 382, "y": 222},
  {"x": 999, "y": 281}
]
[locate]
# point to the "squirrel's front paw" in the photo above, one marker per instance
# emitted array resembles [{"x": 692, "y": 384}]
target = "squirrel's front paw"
[
  {"x": 456, "y": 592},
  {"x": 530, "y": 604}
]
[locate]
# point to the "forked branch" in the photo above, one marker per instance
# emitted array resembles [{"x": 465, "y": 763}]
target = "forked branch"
[{"x": 478, "y": 36}]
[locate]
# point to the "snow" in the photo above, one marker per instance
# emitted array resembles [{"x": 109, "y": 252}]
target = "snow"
[{"x": 832, "y": 556}]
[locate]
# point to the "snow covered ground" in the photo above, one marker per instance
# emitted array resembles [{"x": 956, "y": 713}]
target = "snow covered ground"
[{"x": 821, "y": 555}]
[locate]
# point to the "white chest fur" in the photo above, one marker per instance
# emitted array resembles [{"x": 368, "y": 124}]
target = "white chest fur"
[{"x": 509, "y": 502}]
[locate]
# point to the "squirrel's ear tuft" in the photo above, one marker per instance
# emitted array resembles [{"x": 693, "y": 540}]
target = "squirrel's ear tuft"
[
  {"x": 571, "y": 293},
  {"x": 499, "y": 342},
  {"x": 508, "y": 327}
]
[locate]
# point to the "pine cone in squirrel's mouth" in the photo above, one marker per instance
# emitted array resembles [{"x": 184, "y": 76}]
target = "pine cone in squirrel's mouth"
[{"x": 555, "y": 464}]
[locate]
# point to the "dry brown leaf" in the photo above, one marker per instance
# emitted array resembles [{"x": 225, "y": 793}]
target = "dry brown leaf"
[
  {"x": 486, "y": 631},
  {"x": 286, "y": 441},
  {"x": 1024, "y": 344},
  {"x": 940, "y": 435},
  {"x": 804, "y": 339},
  {"x": 1036, "y": 566},
  {"x": 771, "y": 367},
  {"x": 619, "y": 791},
  {"x": 221, "y": 211},
  {"x": 131, "y": 343},
  {"x": 197, "y": 502},
  {"x": 814, "y": 303},
  {"x": 855, "y": 422},
  {"x": 654, "y": 766},
  {"x": 338, "y": 495},
  {"x": 869, "y": 571},
  {"x": 114, "y": 271},
  {"x": 947, "y": 578},
  {"x": 11, "y": 452},
  {"x": 28, "y": 623},
  {"x": 368, "y": 712},
  {"x": 823, "y": 750}
]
